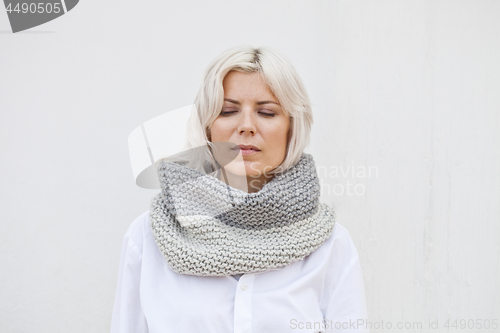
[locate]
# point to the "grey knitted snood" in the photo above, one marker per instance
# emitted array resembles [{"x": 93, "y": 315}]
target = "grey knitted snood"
[{"x": 205, "y": 227}]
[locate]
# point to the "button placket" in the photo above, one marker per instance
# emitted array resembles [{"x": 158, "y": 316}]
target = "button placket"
[{"x": 243, "y": 305}]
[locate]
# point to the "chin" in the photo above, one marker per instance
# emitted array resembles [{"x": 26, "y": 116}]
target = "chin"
[{"x": 245, "y": 168}]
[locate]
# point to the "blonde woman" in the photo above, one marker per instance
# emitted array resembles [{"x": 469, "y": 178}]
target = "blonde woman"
[{"x": 237, "y": 240}]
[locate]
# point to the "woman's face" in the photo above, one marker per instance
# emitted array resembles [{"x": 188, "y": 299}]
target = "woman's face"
[{"x": 251, "y": 115}]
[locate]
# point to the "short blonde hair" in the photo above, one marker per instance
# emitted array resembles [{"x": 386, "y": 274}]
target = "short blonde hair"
[{"x": 284, "y": 82}]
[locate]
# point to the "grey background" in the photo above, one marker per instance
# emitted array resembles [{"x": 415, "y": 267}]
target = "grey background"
[{"x": 408, "y": 87}]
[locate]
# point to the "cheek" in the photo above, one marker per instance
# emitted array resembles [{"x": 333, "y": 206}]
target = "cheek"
[
  {"x": 218, "y": 131},
  {"x": 278, "y": 135},
  {"x": 281, "y": 132}
]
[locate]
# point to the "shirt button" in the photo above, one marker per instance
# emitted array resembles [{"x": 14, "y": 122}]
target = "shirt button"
[{"x": 244, "y": 286}]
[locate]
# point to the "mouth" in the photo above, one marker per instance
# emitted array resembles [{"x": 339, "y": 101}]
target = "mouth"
[{"x": 246, "y": 149}]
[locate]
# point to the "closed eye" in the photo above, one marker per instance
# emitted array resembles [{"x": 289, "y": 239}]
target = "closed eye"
[
  {"x": 267, "y": 114},
  {"x": 223, "y": 113}
]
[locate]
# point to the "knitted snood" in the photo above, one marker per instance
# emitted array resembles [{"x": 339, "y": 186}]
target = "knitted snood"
[{"x": 203, "y": 226}]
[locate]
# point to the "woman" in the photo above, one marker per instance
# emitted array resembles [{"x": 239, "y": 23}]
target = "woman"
[{"x": 237, "y": 240}]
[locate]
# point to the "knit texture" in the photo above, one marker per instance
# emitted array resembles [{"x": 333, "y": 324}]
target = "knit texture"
[{"x": 204, "y": 227}]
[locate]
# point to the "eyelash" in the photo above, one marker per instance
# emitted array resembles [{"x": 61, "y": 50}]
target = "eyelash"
[{"x": 223, "y": 113}]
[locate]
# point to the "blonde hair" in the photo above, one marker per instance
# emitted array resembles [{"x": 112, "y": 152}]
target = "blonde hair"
[{"x": 284, "y": 82}]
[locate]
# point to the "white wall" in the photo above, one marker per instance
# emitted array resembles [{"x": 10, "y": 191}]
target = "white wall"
[{"x": 408, "y": 88}]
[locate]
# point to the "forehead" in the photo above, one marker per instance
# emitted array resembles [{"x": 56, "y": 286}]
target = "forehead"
[{"x": 246, "y": 85}]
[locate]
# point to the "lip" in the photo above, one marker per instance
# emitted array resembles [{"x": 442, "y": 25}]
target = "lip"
[{"x": 247, "y": 149}]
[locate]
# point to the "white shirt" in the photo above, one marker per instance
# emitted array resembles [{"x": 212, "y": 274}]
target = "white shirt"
[{"x": 322, "y": 290}]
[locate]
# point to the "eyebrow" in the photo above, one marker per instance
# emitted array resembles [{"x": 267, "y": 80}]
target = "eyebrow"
[{"x": 258, "y": 103}]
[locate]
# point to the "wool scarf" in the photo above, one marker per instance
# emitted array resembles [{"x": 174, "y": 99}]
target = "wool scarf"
[{"x": 202, "y": 226}]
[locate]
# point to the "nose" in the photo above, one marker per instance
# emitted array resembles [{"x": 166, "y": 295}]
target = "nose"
[{"x": 247, "y": 123}]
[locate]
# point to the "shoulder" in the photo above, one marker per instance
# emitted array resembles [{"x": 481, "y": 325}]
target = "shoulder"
[
  {"x": 137, "y": 230},
  {"x": 343, "y": 289},
  {"x": 340, "y": 248},
  {"x": 340, "y": 260},
  {"x": 341, "y": 237}
]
